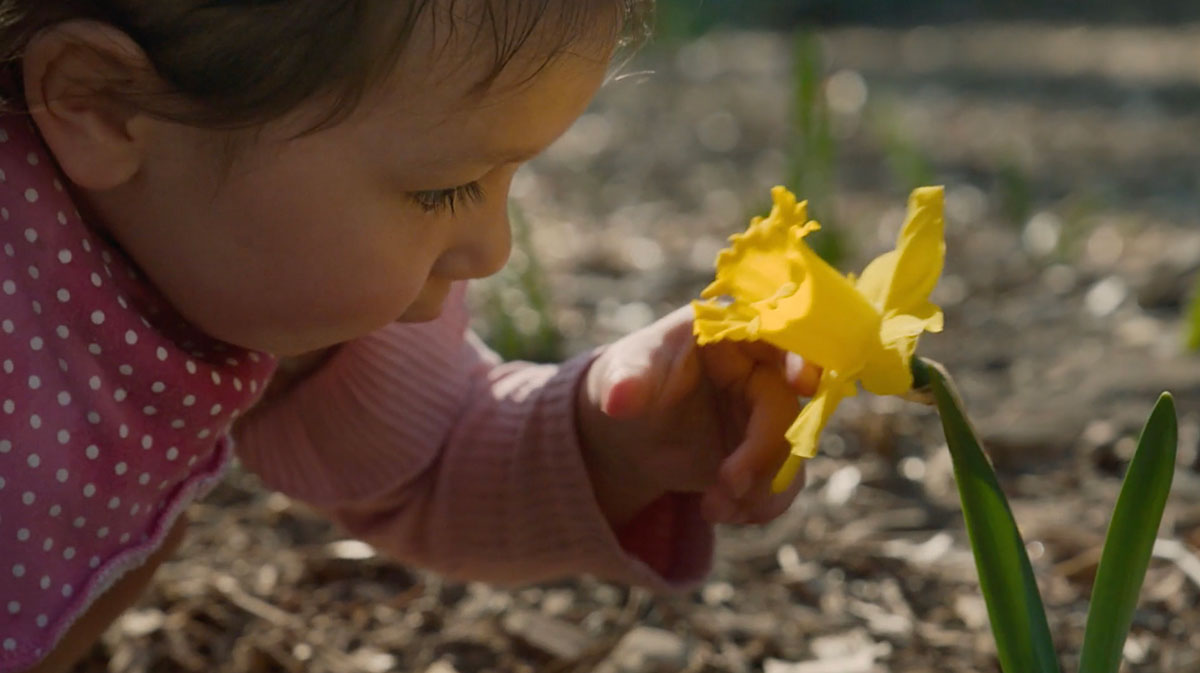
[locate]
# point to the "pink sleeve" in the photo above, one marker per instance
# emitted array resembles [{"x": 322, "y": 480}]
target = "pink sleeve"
[{"x": 416, "y": 439}]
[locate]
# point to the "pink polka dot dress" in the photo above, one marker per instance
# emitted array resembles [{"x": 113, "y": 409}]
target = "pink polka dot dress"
[{"x": 114, "y": 412}]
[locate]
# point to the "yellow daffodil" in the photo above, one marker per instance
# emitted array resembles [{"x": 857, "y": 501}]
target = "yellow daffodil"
[{"x": 772, "y": 287}]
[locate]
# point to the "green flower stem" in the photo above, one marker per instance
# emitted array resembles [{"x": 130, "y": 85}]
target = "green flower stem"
[{"x": 1018, "y": 619}]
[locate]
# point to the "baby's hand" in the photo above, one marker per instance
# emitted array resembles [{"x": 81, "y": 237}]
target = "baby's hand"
[{"x": 659, "y": 414}]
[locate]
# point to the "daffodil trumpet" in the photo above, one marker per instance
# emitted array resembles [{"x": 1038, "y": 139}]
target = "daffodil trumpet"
[{"x": 771, "y": 286}]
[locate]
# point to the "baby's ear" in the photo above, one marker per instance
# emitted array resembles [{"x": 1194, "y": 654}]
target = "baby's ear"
[{"x": 76, "y": 74}]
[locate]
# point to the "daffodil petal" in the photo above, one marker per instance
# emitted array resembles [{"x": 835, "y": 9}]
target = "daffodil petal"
[
  {"x": 876, "y": 279},
  {"x": 901, "y": 280},
  {"x": 888, "y": 372},
  {"x": 806, "y": 430}
]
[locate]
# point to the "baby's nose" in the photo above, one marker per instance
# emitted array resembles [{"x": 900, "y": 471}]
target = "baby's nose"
[{"x": 483, "y": 252}]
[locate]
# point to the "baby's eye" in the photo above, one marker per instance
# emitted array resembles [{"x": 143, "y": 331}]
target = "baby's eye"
[{"x": 438, "y": 200}]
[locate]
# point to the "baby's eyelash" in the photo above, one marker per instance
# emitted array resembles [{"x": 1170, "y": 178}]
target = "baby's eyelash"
[{"x": 438, "y": 200}]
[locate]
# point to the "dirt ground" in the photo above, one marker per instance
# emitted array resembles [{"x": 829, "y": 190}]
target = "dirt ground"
[{"x": 1072, "y": 174}]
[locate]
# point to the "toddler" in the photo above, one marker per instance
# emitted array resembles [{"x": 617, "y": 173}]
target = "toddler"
[{"x": 253, "y": 220}]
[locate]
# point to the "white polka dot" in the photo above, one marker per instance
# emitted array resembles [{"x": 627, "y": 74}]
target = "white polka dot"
[
  {"x": 131, "y": 337},
  {"x": 121, "y": 468},
  {"x": 64, "y": 256},
  {"x": 14, "y": 607},
  {"x": 147, "y": 441},
  {"x": 119, "y": 394},
  {"x": 158, "y": 387},
  {"x": 18, "y": 570},
  {"x": 55, "y": 510},
  {"x": 161, "y": 353},
  {"x": 94, "y": 383},
  {"x": 69, "y": 553},
  {"x": 189, "y": 365},
  {"x": 10, "y": 288},
  {"x": 172, "y": 453},
  {"x": 31, "y": 195},
  {"x": 125, "y": 537},
  {"x": 10, "y": 644},
  {"x": 189, "y": 400},
  {"x": 96, "y": 280},
  {"x": 93, "y": 418},
  {"x": 42, "y": 620},
  {"x": 67, "y": 590},
  {"x": 23, "y": 534},
  {"x": 62, "y": 475},
  {"x": 123, "y": 431},
  {"x": 126, "y": 370},
  {"x": 216, "y": 409},
  {"x": 33, "y": 460},
  {"x": 204, "y": 434},
  {"x": 32, "y": 158},
  {"x": 135, "y": 509},
  {"x": 64, "y": 437},
  {"x": 89, "y": 490},
  {"x": 178, "y": 424},
  {"x": 94, "y": 349},
  {"x": 35, "y": 421},
  {"x": 93, "y": 452},
  {"x": 34, "y": 273},
  {"x": 31, "y": 235},
  {"x": 115, "y": 502},
  {"x": 5, "y": 445},
  {"x": 28, "y": 497},
  {"x": 63, "y": 294},
  {"x": 35, "y": 305},
  {"x": 80, "y": 522},
  {"x": 94, "y": 562},
  {"x": 36, "y": 343},
  {"x": 62, "y": 331},
  {"x": 62, "y": 217},
  {"x": 64, "y": 398},
  {"x": 2, "y": 482},
  {"x": 98, "y": 317},
  {"x": 253, "y": 386},
  {"x": 216, "y": 378},
  {"x": 144, "y": 478},
  {"x": 102, "y": 533}
]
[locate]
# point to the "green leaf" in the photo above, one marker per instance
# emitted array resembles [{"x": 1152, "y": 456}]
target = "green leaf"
[
  {"x": 1129, "y": 541},
  {"x": 1006, "y": 578}
]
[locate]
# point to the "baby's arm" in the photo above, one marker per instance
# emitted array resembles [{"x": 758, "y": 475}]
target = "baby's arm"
[{"x": 418, "y": 440}]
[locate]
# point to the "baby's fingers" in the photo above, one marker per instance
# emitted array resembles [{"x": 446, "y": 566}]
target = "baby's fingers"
[{"x": 763, "y": 449}]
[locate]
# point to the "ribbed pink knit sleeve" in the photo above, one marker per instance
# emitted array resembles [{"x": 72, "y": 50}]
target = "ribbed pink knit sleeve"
[{"x": 418, "y": 440}]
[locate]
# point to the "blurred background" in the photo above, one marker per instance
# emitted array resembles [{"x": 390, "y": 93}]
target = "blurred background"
[{"x": 1065, "y": 134}]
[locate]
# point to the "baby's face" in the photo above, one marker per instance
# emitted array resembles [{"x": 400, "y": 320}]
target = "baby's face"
[{"x": 312, "y": 241}]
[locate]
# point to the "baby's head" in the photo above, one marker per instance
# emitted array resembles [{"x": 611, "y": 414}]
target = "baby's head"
[{"x": 295, "y": 173}]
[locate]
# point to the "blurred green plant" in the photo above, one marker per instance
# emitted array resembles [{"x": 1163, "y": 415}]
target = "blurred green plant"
[
  {"x": 515, "y": 304},
  {"x": 1018, "y": 618},
  {"x": 907, "y": 164},
  {"x": 1193, "y": 319},
  {"x": 812, "y": 166},
  {"x": 1016, "y": 192}
]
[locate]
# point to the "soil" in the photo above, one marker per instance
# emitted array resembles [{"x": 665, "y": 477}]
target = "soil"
[{"x": 1069, "y": 160}]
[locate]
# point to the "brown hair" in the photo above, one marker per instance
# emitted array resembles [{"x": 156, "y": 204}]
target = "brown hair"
[{"x": 242, "y": 63}]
